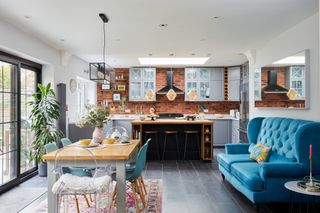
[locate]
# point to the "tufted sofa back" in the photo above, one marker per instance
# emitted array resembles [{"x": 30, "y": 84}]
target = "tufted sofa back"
[{"x": 285, "y": 136}]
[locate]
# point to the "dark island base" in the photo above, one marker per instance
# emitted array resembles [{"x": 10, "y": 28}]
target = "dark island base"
[{"x": 171, "y": 153}]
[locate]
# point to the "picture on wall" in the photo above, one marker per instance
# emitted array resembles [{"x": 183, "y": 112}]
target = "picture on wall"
[
  {"x": 105, "y": 85},
  {"x": 121, "y": 87},
  {"x": 116, "y": 97}
]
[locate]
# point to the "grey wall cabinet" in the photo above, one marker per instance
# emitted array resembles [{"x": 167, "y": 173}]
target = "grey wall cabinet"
[
  {"x": 208, "y": 82},
  {"x": 140, "y": 81}
]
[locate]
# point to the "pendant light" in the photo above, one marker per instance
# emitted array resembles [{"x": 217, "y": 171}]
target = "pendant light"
[
  {"x": 101, "y": 71},
  {"x": 171, "y": 94}
]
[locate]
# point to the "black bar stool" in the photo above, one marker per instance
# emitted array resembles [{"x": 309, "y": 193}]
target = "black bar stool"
[
  {"x": 155, "y": 135},
  {"x": 189, "y": 132},
  {"x": 166, "y": 134}
]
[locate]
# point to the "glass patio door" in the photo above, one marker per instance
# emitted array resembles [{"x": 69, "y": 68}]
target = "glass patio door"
[
  {"x": 28, "y": 86},
  {"x": 18, "y": 81},
  {"x": 8, "y": 122}
]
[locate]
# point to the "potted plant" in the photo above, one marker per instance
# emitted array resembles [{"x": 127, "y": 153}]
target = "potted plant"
[
  {"x": 95, "y": 116},
  {"x": 44, "y": 114}
]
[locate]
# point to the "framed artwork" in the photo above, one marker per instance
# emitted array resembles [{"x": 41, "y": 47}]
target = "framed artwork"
[
  {"x": 105, "y": 85},
  {"x": 116, "y": 97},
  {"x": 121, "y": 87}
]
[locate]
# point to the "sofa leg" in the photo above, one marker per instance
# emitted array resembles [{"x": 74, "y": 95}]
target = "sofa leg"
[
  {"x": 223, "y": 177},
  {"x": 257, "y": 208}
]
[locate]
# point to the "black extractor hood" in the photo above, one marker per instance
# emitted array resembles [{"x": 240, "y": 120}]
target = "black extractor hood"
[
  {"x": 170, "y": 85},
  {"x": 273, "y": 87}
]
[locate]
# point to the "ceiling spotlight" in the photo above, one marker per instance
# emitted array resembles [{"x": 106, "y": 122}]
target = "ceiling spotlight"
[
  {"x": 28, "y": 17},
  {"x": 163, "y": 25}
]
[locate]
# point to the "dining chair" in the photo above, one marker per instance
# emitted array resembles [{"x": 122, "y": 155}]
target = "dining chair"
[
  {"x": 96, "y": 184},
  {"x": 79, "y": 171},
  {"x": 134, "y": 176},
  {"x": 65, "y": 141}
]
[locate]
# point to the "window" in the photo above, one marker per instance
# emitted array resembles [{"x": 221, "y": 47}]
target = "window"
[{"x": 18, "y": 81}]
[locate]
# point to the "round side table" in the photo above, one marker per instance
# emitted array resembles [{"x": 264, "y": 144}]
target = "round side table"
[{"x": 292, "y": 186}]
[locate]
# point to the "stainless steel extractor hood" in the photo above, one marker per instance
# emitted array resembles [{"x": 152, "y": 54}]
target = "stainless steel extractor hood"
[
  {"x": 170, "y": 85},
  {"x": 272, "y": 86}
]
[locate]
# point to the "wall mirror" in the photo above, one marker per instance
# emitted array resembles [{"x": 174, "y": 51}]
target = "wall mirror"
[{"x": 283, "y": 83}]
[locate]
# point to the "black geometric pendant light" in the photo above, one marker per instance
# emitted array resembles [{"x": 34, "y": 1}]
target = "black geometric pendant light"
[{"x": 101, "y": 71}]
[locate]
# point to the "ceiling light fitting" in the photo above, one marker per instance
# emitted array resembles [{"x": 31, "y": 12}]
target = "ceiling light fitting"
[
  {"x": 163, "y": 25},
  {"x": 101, "y": 71}
]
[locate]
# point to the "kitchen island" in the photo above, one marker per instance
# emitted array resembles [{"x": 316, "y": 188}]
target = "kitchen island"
[{"x": 203, "y": 127}]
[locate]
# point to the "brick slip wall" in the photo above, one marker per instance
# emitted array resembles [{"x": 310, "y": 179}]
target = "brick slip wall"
[{"x": 163, "y": 104}]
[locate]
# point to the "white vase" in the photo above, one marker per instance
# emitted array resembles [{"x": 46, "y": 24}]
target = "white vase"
[{"x": 98, "y": 134}]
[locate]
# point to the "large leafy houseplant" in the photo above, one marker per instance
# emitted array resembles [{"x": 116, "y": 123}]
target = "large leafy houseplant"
[{"x": 44, "y": 114}]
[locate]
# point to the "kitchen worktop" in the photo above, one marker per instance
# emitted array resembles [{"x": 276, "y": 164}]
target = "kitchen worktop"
[
  {"x": 171, "y": 121},
  {"x": 136, "y": 117}
]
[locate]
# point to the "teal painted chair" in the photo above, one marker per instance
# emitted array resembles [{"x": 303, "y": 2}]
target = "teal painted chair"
[
  {"x": 50, "y": 147},
  {"x": 134, "y": 176},
  {"x": 65, "y": 142}
]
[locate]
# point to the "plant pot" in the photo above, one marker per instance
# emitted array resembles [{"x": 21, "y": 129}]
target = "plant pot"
[
  {"x": 42, "y": 169},
  {"x": 98, "y": 135}
]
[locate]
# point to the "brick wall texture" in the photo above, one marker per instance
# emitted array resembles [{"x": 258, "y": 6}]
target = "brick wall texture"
[{"x": 162, "y": 104}]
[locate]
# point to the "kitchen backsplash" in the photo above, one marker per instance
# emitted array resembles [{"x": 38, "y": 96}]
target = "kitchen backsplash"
[{"x": 162, "y": 104}]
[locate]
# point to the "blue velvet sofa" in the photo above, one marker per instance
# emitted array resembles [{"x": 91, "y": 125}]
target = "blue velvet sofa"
[{"x": 289, "y": 159}]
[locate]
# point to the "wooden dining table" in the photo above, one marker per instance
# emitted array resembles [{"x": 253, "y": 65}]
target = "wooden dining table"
[{"x": 117, "y": 155}]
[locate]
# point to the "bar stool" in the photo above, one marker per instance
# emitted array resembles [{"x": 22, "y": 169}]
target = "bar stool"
[
  {"x": 154, "y": 134},
  {"x": 189, "y": 132},
  {"x": 166, "y": 134}
]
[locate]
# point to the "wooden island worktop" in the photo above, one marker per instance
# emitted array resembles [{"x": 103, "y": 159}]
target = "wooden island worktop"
[
  {"x": 204, "y": 128},
  {"x": 171, "y": 121}
]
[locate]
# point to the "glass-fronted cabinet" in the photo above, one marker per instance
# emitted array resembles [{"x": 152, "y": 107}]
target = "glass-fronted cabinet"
[
  {"x": 208, "y": 82},
  {"x": 141, "y": 80}
]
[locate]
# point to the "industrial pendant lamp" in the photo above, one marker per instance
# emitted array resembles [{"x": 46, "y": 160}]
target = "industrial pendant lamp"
[
  {"x": 171, "y": 94},
  {"x": 101, "y": 71}
]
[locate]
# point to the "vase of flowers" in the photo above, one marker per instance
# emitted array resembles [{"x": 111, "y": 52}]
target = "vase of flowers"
[{"x": 95, "y": 116}]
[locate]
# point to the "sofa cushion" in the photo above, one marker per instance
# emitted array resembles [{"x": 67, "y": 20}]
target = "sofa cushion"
[
  {"x": 248, "y": 174},
  {"x": 226, "y": 160},
  {"x": 260, "y": 153}
]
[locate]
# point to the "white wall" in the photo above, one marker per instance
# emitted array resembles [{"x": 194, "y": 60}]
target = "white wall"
[
  {"x": 304, "y": 35},
  {"x": 17, "y": 42}
]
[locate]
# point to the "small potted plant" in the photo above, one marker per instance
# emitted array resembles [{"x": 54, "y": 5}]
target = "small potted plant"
[
  {"x": 44, "y": 114},
  {"x": 95, "y": 116}
]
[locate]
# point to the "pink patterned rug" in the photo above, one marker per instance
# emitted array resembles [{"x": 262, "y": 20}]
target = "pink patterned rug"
[{"x": 153, "y": 198}]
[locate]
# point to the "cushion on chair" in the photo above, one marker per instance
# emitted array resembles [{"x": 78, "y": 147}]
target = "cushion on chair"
[
  {"x": 248, "y": 174},
  {"x": 226, "y": 160},
  {"x": 73, "y": 183}
]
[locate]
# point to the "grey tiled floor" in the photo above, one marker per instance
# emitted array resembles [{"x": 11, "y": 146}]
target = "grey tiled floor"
[{"x": 189, "y": 187}]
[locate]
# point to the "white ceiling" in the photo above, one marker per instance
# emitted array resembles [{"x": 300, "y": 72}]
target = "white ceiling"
[{"x": 243, "y": 25}]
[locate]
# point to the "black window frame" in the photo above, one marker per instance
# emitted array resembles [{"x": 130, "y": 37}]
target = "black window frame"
[{"x": 37, "y": 68}]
